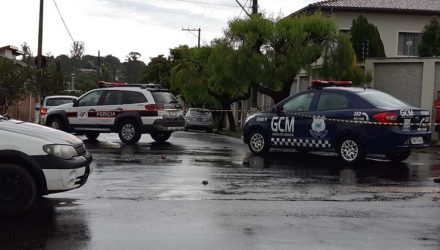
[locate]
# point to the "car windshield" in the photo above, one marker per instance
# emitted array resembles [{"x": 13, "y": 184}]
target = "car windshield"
[
  {"x": 383, "y": 100},
  {"x": 58, "y": 101},
  {"x": 164, "y": 97}
]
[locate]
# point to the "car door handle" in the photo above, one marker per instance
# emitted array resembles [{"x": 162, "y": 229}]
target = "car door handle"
[
  {"x": 92, "y": 110},
  {"x": 119, "y": 109}
]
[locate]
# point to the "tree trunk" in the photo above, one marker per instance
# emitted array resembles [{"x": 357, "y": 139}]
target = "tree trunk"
[
  {"x": 227, "y": 106},
  {"x": 221, "y": 121},
  {"x": 231, "y": 120}
]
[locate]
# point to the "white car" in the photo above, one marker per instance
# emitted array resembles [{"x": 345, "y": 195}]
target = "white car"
[
  {"x": 53, "y": 101},
  {"x": 129, "y": 110},
  {"x": 36, "y": 161}
]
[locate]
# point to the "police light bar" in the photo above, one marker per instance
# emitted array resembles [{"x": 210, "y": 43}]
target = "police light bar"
[
  {"x": 321, "y": 83},
  {"x": 103, "y": 84}
]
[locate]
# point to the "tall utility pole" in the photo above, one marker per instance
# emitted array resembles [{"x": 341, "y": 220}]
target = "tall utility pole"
[
  {"x": 40, "y": 37},
  {"x": 254, "y": 6},
  {"x": 190, "y": 30},
  {"x": 254, "y": 94}
]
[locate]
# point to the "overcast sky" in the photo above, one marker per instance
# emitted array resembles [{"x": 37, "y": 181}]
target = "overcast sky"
[{"x": 117, "y": 27}]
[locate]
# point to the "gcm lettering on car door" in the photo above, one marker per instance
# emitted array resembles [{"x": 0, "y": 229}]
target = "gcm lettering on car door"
[{"x": 282, "y": 126}]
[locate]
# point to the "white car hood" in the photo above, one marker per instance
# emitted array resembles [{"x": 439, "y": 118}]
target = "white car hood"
[{"x": 40, "y": 132}]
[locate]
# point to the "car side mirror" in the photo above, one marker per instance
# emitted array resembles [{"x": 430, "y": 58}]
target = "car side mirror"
[{"x": 75, "y": 103}]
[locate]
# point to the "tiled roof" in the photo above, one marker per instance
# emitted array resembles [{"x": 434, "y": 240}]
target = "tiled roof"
[{"x": 418, "y": 6}]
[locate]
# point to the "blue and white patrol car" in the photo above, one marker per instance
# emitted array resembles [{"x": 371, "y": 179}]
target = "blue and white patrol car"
[{"x": 334, "y": 116}]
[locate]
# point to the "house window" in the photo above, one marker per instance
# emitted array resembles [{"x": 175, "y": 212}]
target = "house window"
[{"x": 408, "y": 44}]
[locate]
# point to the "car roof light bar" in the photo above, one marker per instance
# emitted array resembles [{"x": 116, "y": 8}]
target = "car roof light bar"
[{"x": 321, "y": 83}]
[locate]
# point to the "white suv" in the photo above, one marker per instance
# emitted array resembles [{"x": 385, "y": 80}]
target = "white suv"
[
  {"x": 129, "y": 110},
  {"x": 35, "y": 161}
]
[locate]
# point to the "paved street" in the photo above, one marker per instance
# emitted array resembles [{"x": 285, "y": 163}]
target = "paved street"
[{"x": 151, "y": 196}]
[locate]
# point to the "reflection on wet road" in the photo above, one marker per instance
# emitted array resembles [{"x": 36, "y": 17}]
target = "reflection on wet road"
[
  {"x": 175, "y": 170},
  {"x": 141, "y": 194}
]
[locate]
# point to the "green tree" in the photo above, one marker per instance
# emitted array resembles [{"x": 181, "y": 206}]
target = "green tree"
[
  {"x": 15, "y": 82},
  {"x": 366, "y": 40},
  {"x": 210, "y": 77},
  {"x": 430, "y": 44},
  {"x": 158, "y": 70},
  {"x": 133, "y": 68},
  {"x": 51, "y": 79},
  {"x": 77, "y": 50},
  {"x": 340, "y": 62},
  {"x": 272, "y": 52}
]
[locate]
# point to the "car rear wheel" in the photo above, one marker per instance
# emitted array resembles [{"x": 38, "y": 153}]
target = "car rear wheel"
[
  {"x": 350, "y": 150},
  {"x": 17, "y": 189},
  {"x": 129, "y": 132},
  {"x": 398, "y": 156},
  {"x": 258, "y": 143},
  {"x": 92, "y": 136},
  {"x": 160, "y": 136},
  {"x": 56, "y": 123}
]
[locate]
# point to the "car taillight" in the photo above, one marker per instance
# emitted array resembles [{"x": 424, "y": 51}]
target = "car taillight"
[
  {"x": 153, "y": 107},
  {"x": 389, "y": 117},
  {"x": 43, "y": 111}
]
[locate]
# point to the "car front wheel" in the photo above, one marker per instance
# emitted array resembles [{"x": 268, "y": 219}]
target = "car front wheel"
[
  {"x": 17, "y": 189},
  {"x": 129, "y": 132},
  {"x": 92, "y": 136},
  {"x": 350, "y": 150},
  {"x": 160, "y": 136},
  {"x": 398, "y": 156},
  {"x": 258, "y": 143}
]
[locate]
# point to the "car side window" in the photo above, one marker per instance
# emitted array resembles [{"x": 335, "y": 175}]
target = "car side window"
[
  {"x": 299, "y": 103},
  {"x": 90, "y": 99},
  {"x": 113, "y": 97},
  {"x": 132, "y": 97},
  {"x": 332, "y": 101}
]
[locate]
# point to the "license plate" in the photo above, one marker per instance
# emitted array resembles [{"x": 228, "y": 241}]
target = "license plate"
[
  {"x": 172, "y": 114},
  {"x": 417, "y": 140}
]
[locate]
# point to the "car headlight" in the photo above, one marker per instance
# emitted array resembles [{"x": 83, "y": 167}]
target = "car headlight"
[
  {"x": 65, "y": 152},
  {"x": 249, "y": 118}
]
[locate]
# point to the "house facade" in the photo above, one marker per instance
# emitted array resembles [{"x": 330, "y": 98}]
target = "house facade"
[{"x": 400, "y": 22}]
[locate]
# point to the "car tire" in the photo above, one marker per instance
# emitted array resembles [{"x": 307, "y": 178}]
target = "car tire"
[
  {"x": 129, "y": 132},
  {"x": 398, "y": 156},
  {"x": 160, "y": 136},
  {"x": 258, "y": 143},
  {"x": 56, "y": 123},
  {"x": 18, "y": 190},
  {"x": 92, "y": 135},
  {"x": 350, "y": 150}
]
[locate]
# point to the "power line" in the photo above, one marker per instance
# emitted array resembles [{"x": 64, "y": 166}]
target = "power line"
[
  {"x": 207, "y": 3},
  {"x": 62, "y": 19},
  {"x": 241, "y": 11}
]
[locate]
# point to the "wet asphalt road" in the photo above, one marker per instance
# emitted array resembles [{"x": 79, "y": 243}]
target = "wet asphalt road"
[{"x": 151, "y": 196}]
